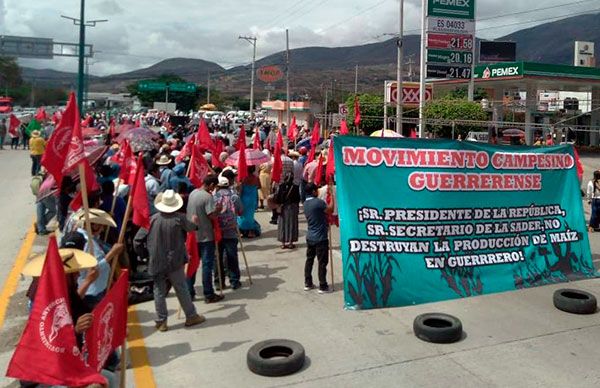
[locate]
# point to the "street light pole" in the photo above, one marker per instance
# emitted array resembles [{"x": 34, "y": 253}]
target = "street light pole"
[
  {"x": 399, "y": 90},
  {"x": 252, "y": 41},
  {"x": 80, "y": 73}
]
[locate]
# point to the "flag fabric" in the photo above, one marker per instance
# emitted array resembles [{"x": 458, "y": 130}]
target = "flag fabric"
[
  {"x": 319, "y": 173},
  {"x": 128, "y": 165},
  {"x": 268, "y": 143},
  {"x": 86, "y": 122},
  {"x": 356, "y": 112},
  {"x": 91, "y": 185},
  {"x": 330, "y": 171},
  {"x": 279, "y": 140},
  {"x": 413, "y": 133},
  {"x": 13, "y": 125},
  {"x": 112, "y": 128},
  {"x": 242, "y": 166},
  {"x": 41, "y": 114},
  {"x": 187, "y": 148},
  {"x": 217, "y": 230},
  {"x": 314, "y": 141},
  {"x": 277, "y": 169},
  {"x": 191, "y": 245},
  {"x": 34, "y": 125},
  {"x": 138, "y": 123},
  {"x": 199, "y": 168},
  {"x": 215, "y": 161},
  {"x": 332, "y": 219},
  {"x": 256, "y": 143},
  {"x": 344, "y": 127},
  {"x": 203, "y": 137},
  {"x": 139, "y": 197},
  {"x": 109, "y": 327},
  {"x": 293, "y": 132},
  {"x": 59, "y": 143},
  {"x": 56, "y": 116},
  {"x": 76, "y": 152},
  {"x": 47, "y": 352},
  {"x": 578, "y": 164}
]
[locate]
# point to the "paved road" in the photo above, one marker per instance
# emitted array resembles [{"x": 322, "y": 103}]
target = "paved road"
[{"x": 512, "y": 339}]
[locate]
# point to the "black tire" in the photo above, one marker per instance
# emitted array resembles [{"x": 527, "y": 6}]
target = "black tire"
[
  {"x": 438, "y": 328},
  {"x": 574, "y": 301},
  {"x": 276, "y": 357}
]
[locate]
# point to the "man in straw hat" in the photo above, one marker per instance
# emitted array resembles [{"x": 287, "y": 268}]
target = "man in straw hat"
[
  {"x": 164, "y": 164},
  {"x": 37, "y": 146},
  {"x": 166, "y": 248}
]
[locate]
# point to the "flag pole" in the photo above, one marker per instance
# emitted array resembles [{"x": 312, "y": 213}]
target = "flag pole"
[
  {"x": 113, "y": 265},
  {"x": 112, "y": 207},
  {"x": 330, "y": 239},
  {"x": 86, "y": 208},
  {"x": 244, "y": 254}
]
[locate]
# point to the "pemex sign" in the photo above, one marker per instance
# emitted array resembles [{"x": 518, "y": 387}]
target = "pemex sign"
[{"x": 460, "y": 9}]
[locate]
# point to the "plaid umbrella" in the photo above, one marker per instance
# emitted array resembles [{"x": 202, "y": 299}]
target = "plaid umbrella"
[
  {"x": 140, "y": 139},
  {"x": 253, "y": 158}
]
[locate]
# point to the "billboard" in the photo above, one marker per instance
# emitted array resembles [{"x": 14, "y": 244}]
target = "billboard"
[
  {"x": 269, "y": 74},
  {"x": 460, "y": 9},
  {"x": 432, "y": 220},
  {"x": 410, "y": 93},
  {"x": 492, "y": 52},
  {"x": 25, "y": 47}
]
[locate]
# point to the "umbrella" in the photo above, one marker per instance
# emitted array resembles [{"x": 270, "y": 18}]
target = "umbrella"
[
  {"x": 91, "y": 132},
  {"x": 253, "y": 158},
  {"x": 306, "y": 143},
  {"x": 513, "y": 132},
  {"x": 386, "y": 133},
  {"x": 140, "y": 139}
]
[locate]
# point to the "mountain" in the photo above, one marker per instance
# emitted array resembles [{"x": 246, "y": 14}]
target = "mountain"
[{"x": 49, "y": 77}]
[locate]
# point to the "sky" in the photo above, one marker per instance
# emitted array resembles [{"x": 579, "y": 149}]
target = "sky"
[{"x": 140, "y": 33}]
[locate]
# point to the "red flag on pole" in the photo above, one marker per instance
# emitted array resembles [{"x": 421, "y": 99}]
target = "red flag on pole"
[
  {"x": 578, "y": 164},
  {"x": 314, "y": 141},
  {"x": 203, "y": 137},
  {"x": 344, "y": 127},
  {"x": 13, "y": 125},
  {"x": 277, "y": 168},
  {"x": 199, "y": 168},
  {"x": 293, "y": 132},
  {"x": 76, "y": 153},
  {"x": 128, "y": 166},
  {"x": 319, "y": 173},
  {"x": 217, "y": 230},
  {"x": 47, "y": 352},
  {"x": 356, "y": 112},
  {"x": 256, "y": 143},
  {"x": 91, "y": 185},
  {"x": 112, "y": 129},
  {"x": 330, "y": 171},
  {"x": 41, "y": 114},
  {"x": 109, "y": 327},
  {"x": 413, "y": 133},
  {"x": 187, "y": 149},
  {"x": 60, "y": 140},
  {"x": 56, "y": 116},
  {"x": 191, "y": 244},
  {"x": 141, "y": 209},
  {"x": 219, "y": 147},
  {"x": 279, "y": 139},
  {"x": 242, "y": 166}
]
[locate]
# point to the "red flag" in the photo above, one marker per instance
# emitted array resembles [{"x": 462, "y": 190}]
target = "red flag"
[
  {"x": 13, "y": 125},
  {"x": 109, "y": 327},
  {"x": 203, "y": 137},
  {"x": 41, "y": 114},
  {"x": 199, "y": 168},
  {"x": 91, "y": 185},
  {"x": 138, "y": 123},
  {"x": 112, "y": 130},
  {"x": 330, "y": 171},
  {"x": 128, "y": 164},
  {"x": 217, "y": 230},
  {"x": 141, "y": 209},
  {"x": 356, "y": 112},
  {"x": 277, "y": 168},
  {"x": 87, "y": 121},
  {"x": 332, "y": 219},
  {"x": 256, "y": 144},
  {"x": 47, "y": 352},
  {"x": 293, "y": 132},
  {"x": 76, "y": 153},
  {"x": 314, "y": 141},
  {"x": 344, "y": 127},
  {"x": 268, "y": 143},
  {"x": 191, "y": 244},
  {"x": 187, "y": 149},
  {"x": 56, "y": 116},
  {"x": 219, "y": 147},
  {"x": 242, "y": 166},
  {"x": 279, "y": 139},
  {"x": 60, "y": 140},
  {"x": 578, "y": 164},
  {"x": 413, "y": 133},
  {"x": 319, "y": 173}
]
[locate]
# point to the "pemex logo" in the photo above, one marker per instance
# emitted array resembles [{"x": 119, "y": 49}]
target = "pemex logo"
[{"x": 486, "y": 73}]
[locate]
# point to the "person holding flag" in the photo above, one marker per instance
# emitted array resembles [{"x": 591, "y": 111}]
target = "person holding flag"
[
  {"x": 167, "y": 251},
  {"x": 13, "y": 130}
]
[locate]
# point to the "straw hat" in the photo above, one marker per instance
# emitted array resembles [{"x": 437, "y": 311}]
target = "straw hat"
[
  {"x": 35, "y": 133},
  {"x": 168, "y": 202},
  {"x": 97, "y": 216},
  {"x": 73, "y": 260},
  {"x": 293, "y": 154},
  {"x": 163, "y": 160}
]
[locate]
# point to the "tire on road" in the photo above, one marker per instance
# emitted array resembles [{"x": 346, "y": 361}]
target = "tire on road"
[
  {"x": 438, "y": 328},
  {"x": 574, "y": 301},
  {"x": 275, "y": 357}
]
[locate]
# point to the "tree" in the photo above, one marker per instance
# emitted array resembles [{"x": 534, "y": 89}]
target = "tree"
[
  {"x": 10, "y": 72},
  {"x": 371, "y": 111},
  {"x": 463, "y": 92},
  {"x": 454, "y": 109}
]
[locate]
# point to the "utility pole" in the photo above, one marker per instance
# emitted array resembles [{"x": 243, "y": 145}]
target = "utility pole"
[
  {"x": 252, "y": 41},
  {"x": 208, "y": 89},
  {"x": 325, "y": 112},
  {"x": 80, "y": 73},
  {"x": 399, "y": 90},
  {"x": 356, "y": 80},
  {"x": 423, "y": 69},
  {"x": 287, "y": 79}
]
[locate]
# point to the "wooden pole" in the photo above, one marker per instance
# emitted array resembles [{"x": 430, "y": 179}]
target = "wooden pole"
[
  {"x": 113, "y": 265},
  {"x": 86, "y": 209},
  {"x": 112, "y": 207},
  {"x": 244, "y": 255},
  {"x": 123, "y": 375}
]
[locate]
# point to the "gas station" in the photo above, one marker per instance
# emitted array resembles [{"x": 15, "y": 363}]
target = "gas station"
[{"x": 507, "y": 80}]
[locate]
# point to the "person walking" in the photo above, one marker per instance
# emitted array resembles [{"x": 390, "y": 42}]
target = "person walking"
[
  {"x": 37, "y": 146},
  {"x": 593, "y": 196},
  {"x": 316, "y": 211},
  {"x": 288, "y": 196},
  {"x": 166, "y": 249},
  {"x": 201, "y": 205},
  {"x": 2, "y": 133}
]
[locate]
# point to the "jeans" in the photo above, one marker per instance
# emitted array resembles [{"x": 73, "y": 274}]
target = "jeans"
[
  {"x": 36, "y": 163},
  {"x": 178, "y": 281},
  {"x": 207, "y": 255},
  {"x": 45, "y": 209},
  {"x": 14, "y": 143},
  {"x": 228, "y": 247},
  {"x": 595, "y": 216},
  {"x": 321, "y": 250}
]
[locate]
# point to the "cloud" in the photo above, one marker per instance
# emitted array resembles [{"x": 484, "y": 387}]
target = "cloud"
[{"x": 109, "y": 7}]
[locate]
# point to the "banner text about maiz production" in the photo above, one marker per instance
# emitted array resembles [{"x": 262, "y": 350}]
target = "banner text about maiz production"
[{"x": 429, "y": 220}]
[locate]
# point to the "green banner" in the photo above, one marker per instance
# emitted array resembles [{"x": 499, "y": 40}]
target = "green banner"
[
  {"x": 429, "y": 220},
  {"x": 460, "y": 9}
]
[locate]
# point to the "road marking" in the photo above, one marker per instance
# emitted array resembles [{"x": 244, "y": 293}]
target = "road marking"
[
  {"x": 10, "y": 286},
  {"x": 142, "y": 371}
]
